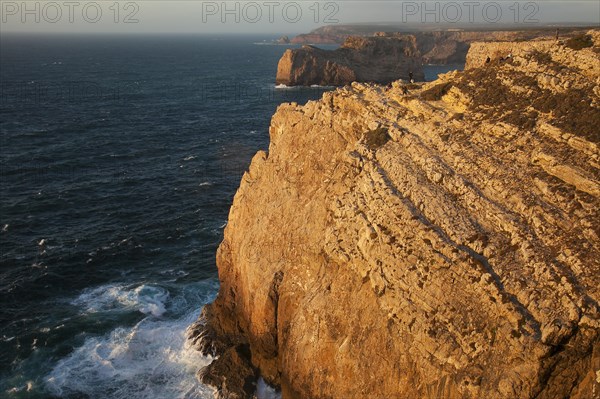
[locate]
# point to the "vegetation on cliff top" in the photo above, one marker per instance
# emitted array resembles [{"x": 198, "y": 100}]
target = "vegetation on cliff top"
[
  {"x": 579, "y": 42},
  {"x": 571, "y": 110}
]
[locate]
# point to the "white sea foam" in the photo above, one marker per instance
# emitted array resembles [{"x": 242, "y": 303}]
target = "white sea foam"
[
  {"x": 265, "y": 391},
  {"x": 147, "y": 299},
  {"x": 282, "y": 86},
  {"x": 151, "y": 360}
]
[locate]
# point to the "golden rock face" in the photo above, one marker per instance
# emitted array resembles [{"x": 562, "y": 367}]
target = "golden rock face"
[
  {"x": 363, "y": 59},
  {"x": 422, "y": 241}
]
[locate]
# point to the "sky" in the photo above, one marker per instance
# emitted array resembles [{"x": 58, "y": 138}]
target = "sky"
[{"x": 279, "y": 17}]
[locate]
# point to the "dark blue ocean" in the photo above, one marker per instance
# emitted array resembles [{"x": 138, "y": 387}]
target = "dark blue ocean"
[{"x": 119, "y": 159}]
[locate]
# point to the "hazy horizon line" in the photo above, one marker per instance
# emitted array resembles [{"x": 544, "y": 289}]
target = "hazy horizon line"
[{"x": 407, "y": 28}]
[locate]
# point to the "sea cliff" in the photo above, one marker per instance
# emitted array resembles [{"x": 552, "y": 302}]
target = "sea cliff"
[
  {"x": 366, "y": 59},
  {"x": 436, "y": 47},
  {"x": 436, "y": 240}
]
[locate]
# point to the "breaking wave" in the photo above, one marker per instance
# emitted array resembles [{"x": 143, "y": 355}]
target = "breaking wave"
[{"x": 150, "y": 360}]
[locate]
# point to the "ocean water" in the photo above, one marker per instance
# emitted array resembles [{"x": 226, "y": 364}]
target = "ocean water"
[
  {"x": 433, "y": 71},
  {"x": 119, "y": 159}
]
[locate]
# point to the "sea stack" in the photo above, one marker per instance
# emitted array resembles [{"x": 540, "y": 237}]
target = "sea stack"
[
  {"x": 425, "y": 241},
  {"x": 377, "y": 59}
]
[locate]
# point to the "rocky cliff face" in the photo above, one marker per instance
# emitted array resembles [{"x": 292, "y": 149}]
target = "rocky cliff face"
[
  {"x": 423, "y": 241},
  {"x": 372, "y": 59},
  {"x": 439, "y": 47},
  {"x": 452, "y": 47}
]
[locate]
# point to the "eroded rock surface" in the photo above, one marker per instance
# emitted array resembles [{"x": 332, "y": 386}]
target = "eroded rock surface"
[
  {"x": 438, "y": 47},
  {"x": 423, "y": 241},
  {"x": 364, "y": 59}
]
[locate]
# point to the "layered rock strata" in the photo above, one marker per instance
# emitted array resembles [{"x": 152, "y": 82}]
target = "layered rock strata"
[
  {"x": 372, "y": 59},
  {"x": 424, "y": 241},
  {"x": 438, "y": 47}
]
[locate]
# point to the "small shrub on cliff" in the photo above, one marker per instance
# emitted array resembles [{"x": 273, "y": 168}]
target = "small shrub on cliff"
[
  {"x": 524, "y": 120},
  {"x": 579, "y": 42},
  {"x": 436, "y": 92},
  {"x": 545, "y": 59},
  {"x": 522, "y": 80},
  {"x": 540, "y": 57},
  {"x": 572, "y": 111},
  {"x": 376, "y": 138}
]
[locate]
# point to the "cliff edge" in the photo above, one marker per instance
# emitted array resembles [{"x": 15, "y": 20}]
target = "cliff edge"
[
  {"x": 423, "y": 241},
  {"x": 436, "y": 47},
  {"x": 365, "y": 59}
]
